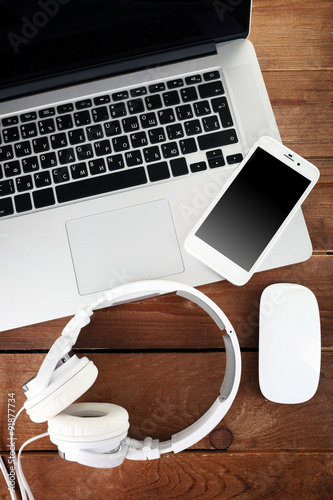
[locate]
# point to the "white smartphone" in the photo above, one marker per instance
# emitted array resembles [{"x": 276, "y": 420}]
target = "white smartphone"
[{"x": 242, "y": 224}]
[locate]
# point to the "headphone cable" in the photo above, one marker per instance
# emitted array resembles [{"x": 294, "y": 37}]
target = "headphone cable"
[{"x": 22, "y": 482}]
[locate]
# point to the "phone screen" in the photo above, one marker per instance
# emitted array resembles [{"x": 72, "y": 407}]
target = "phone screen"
[{"x": 253, "y": 208}]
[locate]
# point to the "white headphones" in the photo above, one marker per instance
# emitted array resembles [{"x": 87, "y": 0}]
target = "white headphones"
[{"x": 103, "y": 441}]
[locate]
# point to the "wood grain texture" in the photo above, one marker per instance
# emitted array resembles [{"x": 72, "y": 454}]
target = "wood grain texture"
[{"x": 188, "y": 476}]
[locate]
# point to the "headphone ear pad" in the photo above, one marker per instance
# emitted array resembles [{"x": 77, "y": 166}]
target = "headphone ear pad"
[
  {"x": 88, "y": 422},
  {"x": 64, "y": 395}
]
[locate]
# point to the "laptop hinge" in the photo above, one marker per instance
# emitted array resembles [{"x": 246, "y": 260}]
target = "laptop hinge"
[{"x": 101, "y": 71}]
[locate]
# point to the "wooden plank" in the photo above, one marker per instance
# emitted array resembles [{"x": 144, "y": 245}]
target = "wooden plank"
[
  {"x": 303, "y": 109},
  {"x": 170, "y": 322},
  {"x": 166, "y": 392},
  {"x": 296, "y": 36},
  {"x": 190, "y": 475}
]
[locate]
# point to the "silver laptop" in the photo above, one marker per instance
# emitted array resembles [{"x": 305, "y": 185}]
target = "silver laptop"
[{"x": 120, "y": 121}]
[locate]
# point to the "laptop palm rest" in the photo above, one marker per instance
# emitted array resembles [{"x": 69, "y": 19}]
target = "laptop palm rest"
[{"x": 123, "y": 245}]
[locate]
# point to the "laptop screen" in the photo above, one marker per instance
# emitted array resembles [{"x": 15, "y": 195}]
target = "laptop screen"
[{"x": 49, "y": 43}]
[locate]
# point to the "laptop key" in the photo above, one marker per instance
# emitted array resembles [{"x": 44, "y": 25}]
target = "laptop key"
[
  {"x": 157, "y": 87},
  {"x": 65, "y": 108},
  {"x": 184, "y": 112},
  {"x": 85, "y": 103},
  {"x": 211, "y": 89},
  {"x": 9, "y": 121},
  {"x": 48, "y": 160},
  {"x": 11, "y": 134},
  {"x": 102, "y": 99},
  {"x": 12, "y": 168},
  {"x": 192, "y": 127},
  {"x": 64, "y": 122},
  {"x": 189, "y": 94},
  {"x": 46, "y": 126},
  {"x": 135, "y": 106},
  {"x": 198, "y": 166},
  {"x": 172, "y": 84},
  {"x": 28, "y": 130},
  {"x": 152, "y": 154},
  {"x": 67, "y": 155},
  {"x": 133, "y": 158},
  {"x": 189, "y": 80},
  {"x": 153, "y": 101},
  {"x": 120, "y": 143},
  {"x": 30, "y": 164},
  {"x": 156, "y": 135},
  {"x": 79, "y": 170},
  {"x": 217, "y": 139},
  {"x": 188, "y": 146},
  {"x": 202, "y": 108},
  {"x": 7, "y": 187},
  {"x": 171, "y": 98},
  {"x": 120, "y": 96},
  {"x": 28, "y": 117},
  {"x": 60, "y": 175},
  {"x": 97, "y": 166},
  {"x": 179, "y": 167},
  {"x": 42, "y": 179},
  {"x": 6, "y": 153},
  {"x": 100, "y": 114},
  {"x": 139, "y": 139},
  {"x": 210, "y": 123},
  {"x": 22, "y": 149},
  {"x": 166, "y": 116},
  {"x": 58, "y": 140},
  {"x": 236, "y": 158},
  {"x": 212, "y": 75},
  {"x": 23, "y": 202},
  {"x": 221, "y": 107},
  {"x": 170, "y": 149},
  {"x": 82, "y": 118},
  {"x": 101, "y": 184},
  {"x": 158, "y": 171},
  {"x": 43, "y": 198},
  {"x": 83, "y": 152},
  {"x": 115, "y": 162},
  {"x": 76, "y": 136},
  {"x": 44, "y": 113},
  {"x": 6, "y": 207},
  {"x": 138, "y": 91},
  {"x": 41, "y": 145}
]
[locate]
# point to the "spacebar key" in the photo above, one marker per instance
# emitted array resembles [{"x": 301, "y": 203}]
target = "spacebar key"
[
  {"x": 216, "y": 139},
  {"x": 101, "y": 184}
]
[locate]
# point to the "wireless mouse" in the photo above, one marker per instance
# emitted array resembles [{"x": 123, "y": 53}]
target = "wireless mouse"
[{"x": 289, "y": 343}]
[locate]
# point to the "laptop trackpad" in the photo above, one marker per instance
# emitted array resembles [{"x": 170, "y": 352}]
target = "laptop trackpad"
[{"x": 124, "y": 245}]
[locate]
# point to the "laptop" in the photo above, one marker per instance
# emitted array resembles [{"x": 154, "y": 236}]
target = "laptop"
[{"x": 119, "y": 122}]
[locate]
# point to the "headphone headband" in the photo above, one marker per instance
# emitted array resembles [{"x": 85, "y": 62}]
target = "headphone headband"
[{"x": 149, "y": 448}]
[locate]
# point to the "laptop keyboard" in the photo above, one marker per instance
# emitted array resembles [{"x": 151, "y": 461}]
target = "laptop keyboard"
[{"x": 116, "y": 141}]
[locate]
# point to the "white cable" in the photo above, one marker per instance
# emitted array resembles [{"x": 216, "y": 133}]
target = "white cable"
[
  {"x": 8, "y": 481},
  {"x": 23, "y": 484}
]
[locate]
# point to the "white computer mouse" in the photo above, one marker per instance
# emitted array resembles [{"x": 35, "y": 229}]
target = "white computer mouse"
[{"x": 289, "y": 343}]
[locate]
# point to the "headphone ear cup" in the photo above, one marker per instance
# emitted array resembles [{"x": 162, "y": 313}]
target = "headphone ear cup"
[
  {"x": 88, "y": 423},
  {"x": 69, "y": 391}
]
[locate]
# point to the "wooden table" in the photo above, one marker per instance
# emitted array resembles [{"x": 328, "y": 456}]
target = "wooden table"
[{"x": 164, "y": 360}]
